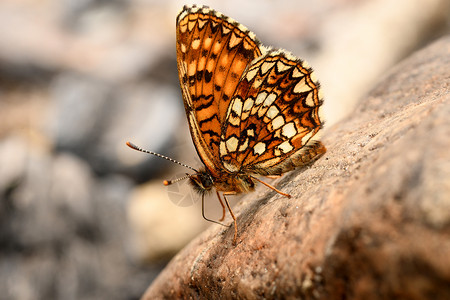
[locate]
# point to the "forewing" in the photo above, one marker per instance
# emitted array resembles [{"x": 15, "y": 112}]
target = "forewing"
[
  {"x": 273, "y": 116},
  {"x": 212, "y": 53}
]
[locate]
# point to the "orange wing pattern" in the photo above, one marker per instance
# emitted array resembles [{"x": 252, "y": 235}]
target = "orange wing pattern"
[
  {"x": 213, "y": 52},
  {"x": 272, "y": 117},
  {"x": 251, "y": 110}
]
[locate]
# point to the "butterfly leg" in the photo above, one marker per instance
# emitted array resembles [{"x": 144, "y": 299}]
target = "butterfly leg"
[
  {"x": 204, "y": 216},
  {"x": 229, "y": 209},
  {"x": 273, "y": 176},
  {"x": 231, "y": 213},
  {"x": 223, "y": 207},
  {"x": 272, "y": 187}
]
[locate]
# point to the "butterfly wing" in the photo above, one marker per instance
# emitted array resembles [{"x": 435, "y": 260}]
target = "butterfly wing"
[
  {"x": 212, "y": 53},
  {"x": 273, "y": 117}
]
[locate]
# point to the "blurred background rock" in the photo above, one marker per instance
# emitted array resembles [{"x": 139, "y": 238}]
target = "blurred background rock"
[{"x": 81, "y": 215}]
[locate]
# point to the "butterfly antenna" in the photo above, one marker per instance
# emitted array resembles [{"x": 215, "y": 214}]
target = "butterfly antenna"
[
  {"x": 133, "y": 146},
  {"x": 169, "y": 182}
]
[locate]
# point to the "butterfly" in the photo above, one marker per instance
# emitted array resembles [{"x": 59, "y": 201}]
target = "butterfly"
[{"x": 252, "y": 110}]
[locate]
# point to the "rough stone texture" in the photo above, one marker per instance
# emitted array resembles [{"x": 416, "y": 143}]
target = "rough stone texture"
[{"x": 369, "y": 220}]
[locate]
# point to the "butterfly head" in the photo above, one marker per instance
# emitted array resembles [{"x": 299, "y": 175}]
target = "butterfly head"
[{"x": 201, "y": 181}]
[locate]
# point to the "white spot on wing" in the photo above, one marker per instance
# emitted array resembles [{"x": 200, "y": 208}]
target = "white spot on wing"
[
  {"x": 234, "y": 40},
  {"x": 266, "y": 66},
  {"x": 201, "y": 23},
  {"x": 277, "y": 122},
  {"x": 191, "y": 25},
  {"x": 306, "y": 138},
  {"x": 223, "y": 149},
  {"x": 251, "y": 74},
  {"x": 259, "y": 148},
  {"x": 252, "y": 35},
  {"x": 281, "y": 67},
  {"x": 242, "y": 28},
  {"x": 183, "y": 48},
  {"x": 285, "y": 147},
  {"x": 301, "y": 86},
  {"x": 248, "y": 104},
  {"x": 232, "y": 144},
  {"x": 260, "y": 98},
  {"x": 206, "y": 10},
  {"x": 237, "y": 105},
  {"x": 289, "y": 130},
  {"x": 270, "y": 99},
  {"x": 309, "y": 100},
  {"x": 225, "y": 30},
  {"x": 272, "y": 112},
  {"x": 296, "y": 73},
  {"x": 267, "y": 102}
]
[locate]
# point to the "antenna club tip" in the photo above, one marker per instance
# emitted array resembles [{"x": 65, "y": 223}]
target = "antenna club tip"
[{"x": 166, "y": 182}]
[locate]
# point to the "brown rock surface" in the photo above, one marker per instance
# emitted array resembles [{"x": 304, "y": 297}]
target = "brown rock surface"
[{"x": 369, "y": 220}]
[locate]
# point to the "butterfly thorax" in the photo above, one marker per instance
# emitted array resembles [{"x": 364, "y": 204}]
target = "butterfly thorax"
[{"x": 203, "y": 182}]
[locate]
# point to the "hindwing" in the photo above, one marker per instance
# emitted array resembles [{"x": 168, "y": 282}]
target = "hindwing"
[{"x": 273, "y": 116}]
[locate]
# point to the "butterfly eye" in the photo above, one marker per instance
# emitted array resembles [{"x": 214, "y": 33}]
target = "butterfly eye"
[{"x": 201, "y": 181}]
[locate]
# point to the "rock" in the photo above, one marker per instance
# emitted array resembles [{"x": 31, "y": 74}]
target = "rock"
[
  {"x": 62, "y": 227},
  {"x": 147, "y": 114},
  {"x": 369, "y": 220}
]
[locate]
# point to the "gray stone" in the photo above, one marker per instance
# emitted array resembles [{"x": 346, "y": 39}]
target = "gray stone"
[{"x": 369, "y": 220}]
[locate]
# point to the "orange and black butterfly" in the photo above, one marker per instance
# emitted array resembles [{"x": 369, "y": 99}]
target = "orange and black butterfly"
[{"x": 251, "y": 110}]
